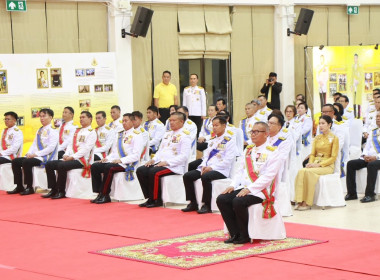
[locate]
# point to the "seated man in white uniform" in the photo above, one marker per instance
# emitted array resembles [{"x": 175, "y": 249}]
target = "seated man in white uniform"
[
  {"x": 43, "y": 149},
  {"x": 137, "y": 124},
  {"x": 78, "y": 155},
  {"x": 255, "y": 183},
  {"x": 155, "y": 128},
  {"x": 247, "y": 123},
  {"x": 11, "y": 139},
  {"x": 117, "y": 119},
  {"x": 189, "y": 124},
  {"x": 348, "y": 114},
  {"x": 205, "y": 133},
  {"x": 263, "y": 111},
  {"x": 105, "y": 137},
  {"x": 66, "y": 130}
]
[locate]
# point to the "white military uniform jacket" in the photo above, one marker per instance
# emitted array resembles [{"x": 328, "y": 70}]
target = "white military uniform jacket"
[
  {"x": 263, "y": 114},
  {"x": 117, "y": 125},
  {"x": 145, "y": 135},
  {"x": 194, "y": 98},
  {"x": 167, "y": 125},
  {"x": 132, "y": 142},
  {"x": 348, "y": 115},
  {"x": 192, "y": 127},
  {"x": 206, "y": 129},
  {"x": 13, "y": 138},
  {"x": 106, "y": 137},
  {"x": 85, "y": 141},
  {"x": 370, "y": 121},
  {"x": 370, "y": 107},
  {"x": 220, "y": 154},
  {"x": 369, "y": 149},
  {"x": 66, "y": 135},
  {"x": 175, "y": 149},
  {"x": 238, "y": 134},
  {"x": 249, "y": 123},
  {"x": 306, "y": 126},
  {"x": 49, "y": 140},
  {"x": 156, "y": 131}
]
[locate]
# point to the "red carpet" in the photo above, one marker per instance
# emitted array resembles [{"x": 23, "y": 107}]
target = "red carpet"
[{"x": 47, "y": 239}]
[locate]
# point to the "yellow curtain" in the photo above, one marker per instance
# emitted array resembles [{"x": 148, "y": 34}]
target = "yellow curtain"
[
  {"x": 165, "y": 42},
  {"x": 218, "y": 43},
  {"x": 5, "y": 29},
  {"x": 193, "y": 42},
  {"x": 92, "y": 21},
  {"x": 29, "y": 29},
  {"x": 62, "y": 38},
  {"x": 218, "y": 19},
  {"x": 191, "y": 19},
  {"x": 374, "y": 15},
  {"x": 359, "y": 27},
  {"x": 337, "y": 26},
  {"x": 142, "y": 69}
]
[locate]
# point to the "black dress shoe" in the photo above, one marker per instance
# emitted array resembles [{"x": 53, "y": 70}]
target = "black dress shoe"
[
  {"x": 242, "y": 240},
  {"x": 350, "y": 197},
  {"x": 368, "y": 198},
  {"x": 232, "y": 239},
  {"x": 105, "y": 198},
  {"x": 155, "y": 203},
  {"x": 190, "y": 207},
  {"x": 58, "y": 195},
  {"x": 49, "y": 194},
  {"x": 148, "y": 201},
  {"x": 16, "y": 190},
  {"x": 96, "y": 198},
  {"x": 27, "y": 191},
  {"x": 204, "y": 209}
]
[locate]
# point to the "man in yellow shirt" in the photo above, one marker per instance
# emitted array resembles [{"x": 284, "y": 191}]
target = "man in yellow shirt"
[{"x": 165, "y": 94}]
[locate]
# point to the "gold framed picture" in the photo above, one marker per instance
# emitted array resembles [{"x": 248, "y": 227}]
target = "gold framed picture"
[
  {"x": 3, "y": 81},
  {"x": 42, "y": 78},
  {"x": 56, "y": 77}
]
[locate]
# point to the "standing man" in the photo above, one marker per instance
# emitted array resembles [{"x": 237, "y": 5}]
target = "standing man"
[
  {"x": 206, "y": 130},
  {"x": 216, "y": 164},
  {"x": 104, "y": 137},
  {"x": 43, "y": 149},
  {"x": 66, "y": 130},
  {"x": 124, "y": 156},
  {"x": 165, "y": 94},
  {"x": 117, "y": 120},
  {"x": 78, "y": 155},
  {"x": 348, "y": 111},
  {"x": 194, "y": 98},
  {"x": 11, "y": 139},
  {"x": 221, "y": 105},
  {"x": 272, "y": 90},
  {"x": 155, "y": 128},
  {"x": 170, "y": 159}
]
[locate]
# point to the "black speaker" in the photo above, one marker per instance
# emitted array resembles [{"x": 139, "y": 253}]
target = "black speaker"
[
  {"x": 141, "y": 21},
  {"x": 304, "y": 20}
]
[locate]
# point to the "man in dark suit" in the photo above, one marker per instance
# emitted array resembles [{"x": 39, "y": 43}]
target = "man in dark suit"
[{"x": 272, "y": 90}]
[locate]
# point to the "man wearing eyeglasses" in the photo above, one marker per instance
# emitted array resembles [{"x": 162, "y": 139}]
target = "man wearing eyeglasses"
[
  {"x": 11, "y": 139},
  {"x": 255, "y": 183}
]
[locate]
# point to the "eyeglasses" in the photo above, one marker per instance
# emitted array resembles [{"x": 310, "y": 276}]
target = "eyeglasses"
[{"x": 256, "y": 132}]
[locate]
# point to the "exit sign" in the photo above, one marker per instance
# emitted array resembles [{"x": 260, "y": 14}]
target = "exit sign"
[
  {"x": 352, "y": 10},
  {"x": 16, "y": 6}
]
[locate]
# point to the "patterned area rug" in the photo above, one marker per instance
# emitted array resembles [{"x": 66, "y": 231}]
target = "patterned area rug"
[{"x": 198, "y": 250}]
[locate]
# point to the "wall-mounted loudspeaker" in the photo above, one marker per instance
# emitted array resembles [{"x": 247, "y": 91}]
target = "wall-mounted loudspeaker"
[
  {"x": 141, "y": 21},
  {"x": 303, "y": 22}
]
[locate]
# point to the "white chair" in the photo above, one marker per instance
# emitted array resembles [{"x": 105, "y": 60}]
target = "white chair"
[
  {"x": 6, "y": 177},
  {"x": 123, "y": 190},
  {"x": 356, "y": 130},
  {"x": 78, "y": 186},
  {"x": 361, "y": 181},
  {"x": 173, "y": 189},
  {"x": 39, "y": 178},
  {"x": 328, "y": 190}
]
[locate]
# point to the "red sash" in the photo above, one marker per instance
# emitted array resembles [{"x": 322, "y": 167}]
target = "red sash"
[
  {"x": 86, "y": 165},
  {"x": 98, "y": 144},
  {"x": 4, "y": 144},
  {"x": 268, "y": 204},
  {"x": 61, "y": 133},
  {"x": 143, "y": 153}
]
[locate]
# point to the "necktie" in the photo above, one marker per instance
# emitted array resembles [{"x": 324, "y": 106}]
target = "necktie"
[
  {"x": 287, "y": 124},
  {"x": 270, "y": 94}
]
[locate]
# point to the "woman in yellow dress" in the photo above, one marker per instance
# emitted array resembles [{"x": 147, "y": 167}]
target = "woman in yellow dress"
[{"x": 322, "y": 160}]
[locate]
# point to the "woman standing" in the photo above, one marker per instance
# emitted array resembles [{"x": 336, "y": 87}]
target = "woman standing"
[
  {"x": 305, "y": 123},
  {"x": 322, "y": 160}
]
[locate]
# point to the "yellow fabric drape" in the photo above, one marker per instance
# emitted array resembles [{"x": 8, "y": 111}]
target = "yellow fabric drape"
[
  {"x": 142, "y": 69},
  {"x": 218, "y": 19},
  {"x": 374, "y": 15},
  {"x": 5, "y": 30},
  {"x": 194, "y": 42},
  {"x": 62, "y": 38},
  {"x": 218, "y": 43},
  {"x": 337, "y": 26},
  {"x": 29, "y": 29},
  {"x": 191, "y": 20},
  {"x": 92, "y": 22}
]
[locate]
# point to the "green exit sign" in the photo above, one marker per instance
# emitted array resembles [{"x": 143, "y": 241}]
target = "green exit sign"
[
  {"x": 16, "y": 6},
  {"x": 352, "y": 10}
]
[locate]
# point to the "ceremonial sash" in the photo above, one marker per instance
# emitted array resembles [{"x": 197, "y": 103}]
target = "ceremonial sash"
[
  {"x": 40, "y": 147},
  {"x": 110, "y": 125},
  {"x": 278, "y": 142},
  {"x": 167, "y": 126},
  {"x": 304, "y": 139},
  {"x": 243, "y": 122},
  {"x": 4, "y": 144},
  {"x": 215, "y": 151},
  {"x": 375, "y": 142},
  {"x": 61, "y": 133},
  {"x": 146, "y": 125},
  {"x": 130, "y": 168},
  {"x": 342, "y": 173},
  {"x": 268, "y": 204},
  {"x": 98, "y": 144},
  {"x": 205, "y": 126},
  {"x": 143, "y": 153},
  {"x": 86, "y": 173}
]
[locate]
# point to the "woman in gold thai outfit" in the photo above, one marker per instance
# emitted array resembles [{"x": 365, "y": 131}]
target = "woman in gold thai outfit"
[{"x": 324, "y": 152}]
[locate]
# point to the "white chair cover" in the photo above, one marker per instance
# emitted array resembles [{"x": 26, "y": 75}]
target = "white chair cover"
[
  {"x": 361, "y": 181},
  {"x": 77, "y": 186},
  {"x": 39, "y": 178},
  {"x": 6, "y": 177},
  {"x": 124, "y": 190},
  {"x": 356, "y": 130},
  {"x": 173, "y": 189},
  {"x": 218, "y": 186}
]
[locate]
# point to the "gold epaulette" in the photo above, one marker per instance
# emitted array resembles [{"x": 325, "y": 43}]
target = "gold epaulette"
[
  {"x": 269, "y": 109},
  {"x": 227, "y": 138},
  {"x": 271, "y": 148},
  {"x": 142, "y": 129},
  {"x": 244, "y": 118},
  {"x": 282, "y": 138},
  {"x": 136, "y": 131},
  {"x": 90, "y": 129},
  {"x": 250, "y": 146},
  {"x": 159, "y": 121},
  {"x": 230, "y": 132},
  {"x": 345, "y": 118},
  {"x": 285, "y": 130},
  {"x": 257, "y": 119},
  {"x": 200, "y": 87},
  {"x": 107, "y": 127},
  {"x": 350, "y": 110},
  {"x": 262, "y": 113},
  {"x": 120, "y": 121},
  {"x": 186, "y": 132},
  {"x": 187, "y": 87},
  {"x": 16, "y": 129},
  {"x": 231, "y": 125},
  {"x": 189, "y": 121}
]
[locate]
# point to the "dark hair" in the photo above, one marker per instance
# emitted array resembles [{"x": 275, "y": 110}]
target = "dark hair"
[
  {"x": 70, "y": 109},
  {"x": 346, "y": 99},
  {"x": 304, "y": 104},
  {"x": 261, "y": 95},
  {"x": 327, "y": 119},
  {"x": 222, "y": 120},
  {"x": 337, "y": 115},
  {"x": 277, "y": 112},
  {"x": 167, "y": 72},
  {"x": 272, "y": 74},
  {"x": 294, "y": 109},
  {"x": 194, "y": 75},
  {"x": 173, "y": 106},
  {"x": 12, "y": 114},
  {"x": 137, "y": 114},
  {"x": 337, "y": 93},
  {"x": 180, "y": 115},
  {"x": 48, "y": 111},
  {"x": 264, "y": 124},
  {"x": 104, "y": 115},
  {"x": 183, "y": 108},
  {"x": 153, "y": 109},
  {"x": 213, "y": 105},
  {"x": 221, "y": 99},
  {"x": 376, "y": 89},
  {"x": 116, "y": 107},
  {"x": 300, "y": 94},
  {"x": 329, "y": 105},
  {"x": 278, "y": 117},
  {"x": 87, "y": 113},
  {"x": 130, "y": 116},
  {"x": 340, "y": 106}
]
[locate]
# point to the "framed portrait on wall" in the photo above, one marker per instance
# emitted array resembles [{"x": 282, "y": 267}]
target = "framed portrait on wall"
[
  {"x": 42, "y": 78},
  {"x": 56, "y": 77},
  {"x": 3, "y": 81}
]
